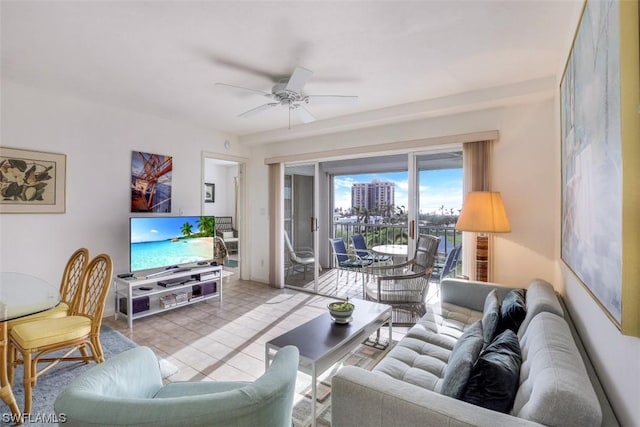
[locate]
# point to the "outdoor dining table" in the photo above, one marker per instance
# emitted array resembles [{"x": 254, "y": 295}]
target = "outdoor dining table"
[
  {"x": 20, "y": 295},
  {"x": 398, "y": 252}
]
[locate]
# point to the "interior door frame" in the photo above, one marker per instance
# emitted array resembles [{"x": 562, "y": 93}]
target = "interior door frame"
[{"x": 244, "y": 249}]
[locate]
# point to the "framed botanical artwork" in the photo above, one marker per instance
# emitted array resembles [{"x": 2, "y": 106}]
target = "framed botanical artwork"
[
  {"x": 209, "y": 193},
  {"x": 151, "y": 182},
  {"x": 600, "y": 134},
  {"x": 32, "y": 181}
]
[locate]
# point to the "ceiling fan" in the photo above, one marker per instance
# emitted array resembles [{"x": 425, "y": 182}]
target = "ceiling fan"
[{"x": 287, "y": 92}]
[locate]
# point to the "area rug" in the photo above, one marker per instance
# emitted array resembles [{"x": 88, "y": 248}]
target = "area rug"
[
  {"x": 364, "y": 356},
  {"x": 51, "y": 383},
  {"x": 232, "y": 263}
]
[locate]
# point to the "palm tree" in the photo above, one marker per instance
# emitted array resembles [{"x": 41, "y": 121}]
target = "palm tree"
[
  {"x": 206, "y": 226},
  {"x": 186, "y": 229},
  {"x": 363, "y": 214}
]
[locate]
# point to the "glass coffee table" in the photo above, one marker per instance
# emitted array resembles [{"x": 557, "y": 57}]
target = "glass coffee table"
[{"x": 322, "y": 342}]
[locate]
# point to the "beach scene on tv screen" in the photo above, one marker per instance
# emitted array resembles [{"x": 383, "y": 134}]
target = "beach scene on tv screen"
[{"x": 168, "y": 241}]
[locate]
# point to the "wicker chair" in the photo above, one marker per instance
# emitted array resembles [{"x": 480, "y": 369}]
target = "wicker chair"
[
  {"x": 225, "y": 230},
  {"x": 79, "y": 331},
  {"x": 69, "y": 285},
  {"x": 405, "y": 286}
]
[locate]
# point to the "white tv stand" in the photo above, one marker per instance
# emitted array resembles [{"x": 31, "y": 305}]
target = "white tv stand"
[{"x": 141, "y": 296}]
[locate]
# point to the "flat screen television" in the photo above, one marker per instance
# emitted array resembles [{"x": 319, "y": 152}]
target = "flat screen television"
[{"x": 167, "y": 242}]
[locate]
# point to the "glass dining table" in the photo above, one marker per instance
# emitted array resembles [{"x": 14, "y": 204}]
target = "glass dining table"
[{"x": 20, "y": 295}]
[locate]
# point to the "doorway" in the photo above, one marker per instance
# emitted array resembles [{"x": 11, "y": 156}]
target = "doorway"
[
  {"x": 301, "y": 263},
  {"x": 423, "y": 200},
  {"x": 224, "y": 178}
]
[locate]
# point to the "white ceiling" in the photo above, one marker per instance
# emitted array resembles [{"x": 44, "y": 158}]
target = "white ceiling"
[{"x": 164, "y": 57}]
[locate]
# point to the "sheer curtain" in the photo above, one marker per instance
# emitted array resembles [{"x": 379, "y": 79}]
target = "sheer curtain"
[{"x": 476, "y": 157}]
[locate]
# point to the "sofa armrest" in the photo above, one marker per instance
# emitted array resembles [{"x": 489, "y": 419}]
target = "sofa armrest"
[
  {"x": 469, "y": 293},
  {"x": 132, "y": 374},
  {"x": 363, "y": 398}
]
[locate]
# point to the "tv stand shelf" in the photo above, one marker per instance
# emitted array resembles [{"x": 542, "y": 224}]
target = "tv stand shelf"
[{"x": 141, "y": 296}]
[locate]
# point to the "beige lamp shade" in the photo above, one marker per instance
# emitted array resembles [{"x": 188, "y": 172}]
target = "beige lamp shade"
[{"x": 483, "y": 211}]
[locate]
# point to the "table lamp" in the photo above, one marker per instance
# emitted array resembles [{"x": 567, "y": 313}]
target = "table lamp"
[{"x": 483, "y": 212}]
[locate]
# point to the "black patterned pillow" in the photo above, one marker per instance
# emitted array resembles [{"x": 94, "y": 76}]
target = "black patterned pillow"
[
  {"x": 495, "y": 377},
  {"x": 513, "y": 310}
]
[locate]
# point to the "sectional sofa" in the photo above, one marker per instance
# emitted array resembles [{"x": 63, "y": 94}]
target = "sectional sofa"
[{"x": 446, "y": 371}]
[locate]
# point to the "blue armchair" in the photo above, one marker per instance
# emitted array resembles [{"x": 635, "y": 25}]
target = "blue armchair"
[{"x": 127, "y": 390}]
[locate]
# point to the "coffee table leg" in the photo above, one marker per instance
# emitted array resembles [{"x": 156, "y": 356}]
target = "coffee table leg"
[{"x": 313, "y": 395}]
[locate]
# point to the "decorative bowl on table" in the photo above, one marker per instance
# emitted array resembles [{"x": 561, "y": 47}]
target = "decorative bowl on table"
[{"x": 341, "y": 311}]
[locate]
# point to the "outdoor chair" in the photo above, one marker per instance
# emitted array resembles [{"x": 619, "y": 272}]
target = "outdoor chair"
[
  {"x": 360, "y": 248},
  {"x": 298, "y": 256},
  {"x": 404, "y": 286},
  {"x": 345, "y": 261},
  {"x": 449, "y": 266}
]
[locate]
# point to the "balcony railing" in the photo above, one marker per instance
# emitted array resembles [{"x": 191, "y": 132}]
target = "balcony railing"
[{"x": 387, "y": 234}]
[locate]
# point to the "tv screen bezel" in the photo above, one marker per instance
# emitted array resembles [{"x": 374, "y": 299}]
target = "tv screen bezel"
[{"x": 169, "y": 267}]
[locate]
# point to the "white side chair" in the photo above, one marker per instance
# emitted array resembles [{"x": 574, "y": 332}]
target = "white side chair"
[{"x": 298, "y": 256}]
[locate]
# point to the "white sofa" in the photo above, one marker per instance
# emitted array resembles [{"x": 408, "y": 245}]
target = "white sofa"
[{"x": 557, "y": 384}]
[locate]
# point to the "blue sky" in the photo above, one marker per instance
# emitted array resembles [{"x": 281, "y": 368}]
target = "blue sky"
[
  {"x": 149, "y": 229},
  {"x": 437, "y": 188}
]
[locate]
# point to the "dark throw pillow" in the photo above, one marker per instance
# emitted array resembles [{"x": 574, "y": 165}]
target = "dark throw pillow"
[
  {"x": 513, "y": 310},
  {"x": 494, "y": 379},
  {"x": 461, "y": 360},
  {"x": 490, "y": 316}
]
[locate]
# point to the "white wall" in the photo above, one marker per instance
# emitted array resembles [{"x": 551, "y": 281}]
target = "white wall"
[
  {"x": 97, "y": 141},
  {"x": 526, "y": 135},
  {"x": 223, "y": 178},
  {"x": 524, "y": 170}
]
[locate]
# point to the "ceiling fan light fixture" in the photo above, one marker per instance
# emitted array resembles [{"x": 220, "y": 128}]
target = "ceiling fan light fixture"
[{"x": 288, "y": 92}]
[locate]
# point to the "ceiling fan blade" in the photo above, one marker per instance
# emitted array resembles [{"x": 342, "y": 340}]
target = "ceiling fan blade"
[
  {"x": 303, "y": 114},
  {"x": 261, "y": 92},
  {"x": 231, "y": 63},
  {"x": 330, "y": 99},
  {"x": 259, "y": 109},
  {"x": 298, "y": 79}
]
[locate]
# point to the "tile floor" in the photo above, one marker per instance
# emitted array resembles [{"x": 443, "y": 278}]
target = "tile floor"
[{"x": 226, "y": 341}]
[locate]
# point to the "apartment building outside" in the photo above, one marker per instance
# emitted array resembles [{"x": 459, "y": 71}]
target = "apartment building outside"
[{"x": 372, "y": 196}]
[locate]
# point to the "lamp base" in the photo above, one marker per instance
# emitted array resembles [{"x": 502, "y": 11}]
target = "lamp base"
[{"x": 482, "y": 257}]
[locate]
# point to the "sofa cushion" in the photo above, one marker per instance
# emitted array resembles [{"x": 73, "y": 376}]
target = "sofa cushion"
[
  {"x": 462, "y": 358},
  {"x": 416, "y": 361},
  {"x": 555, "y": 389},
  {"x": 448, "y": 320},
  {"x": 494, "y": 378},
  {"x": 541, "y": 297},
  {"x": 490, "y": 316}
]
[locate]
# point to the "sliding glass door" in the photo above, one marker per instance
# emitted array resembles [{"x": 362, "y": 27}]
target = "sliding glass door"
[
  {"x": 437, "y": 191},
  {"x": 301, "y": 226}
]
